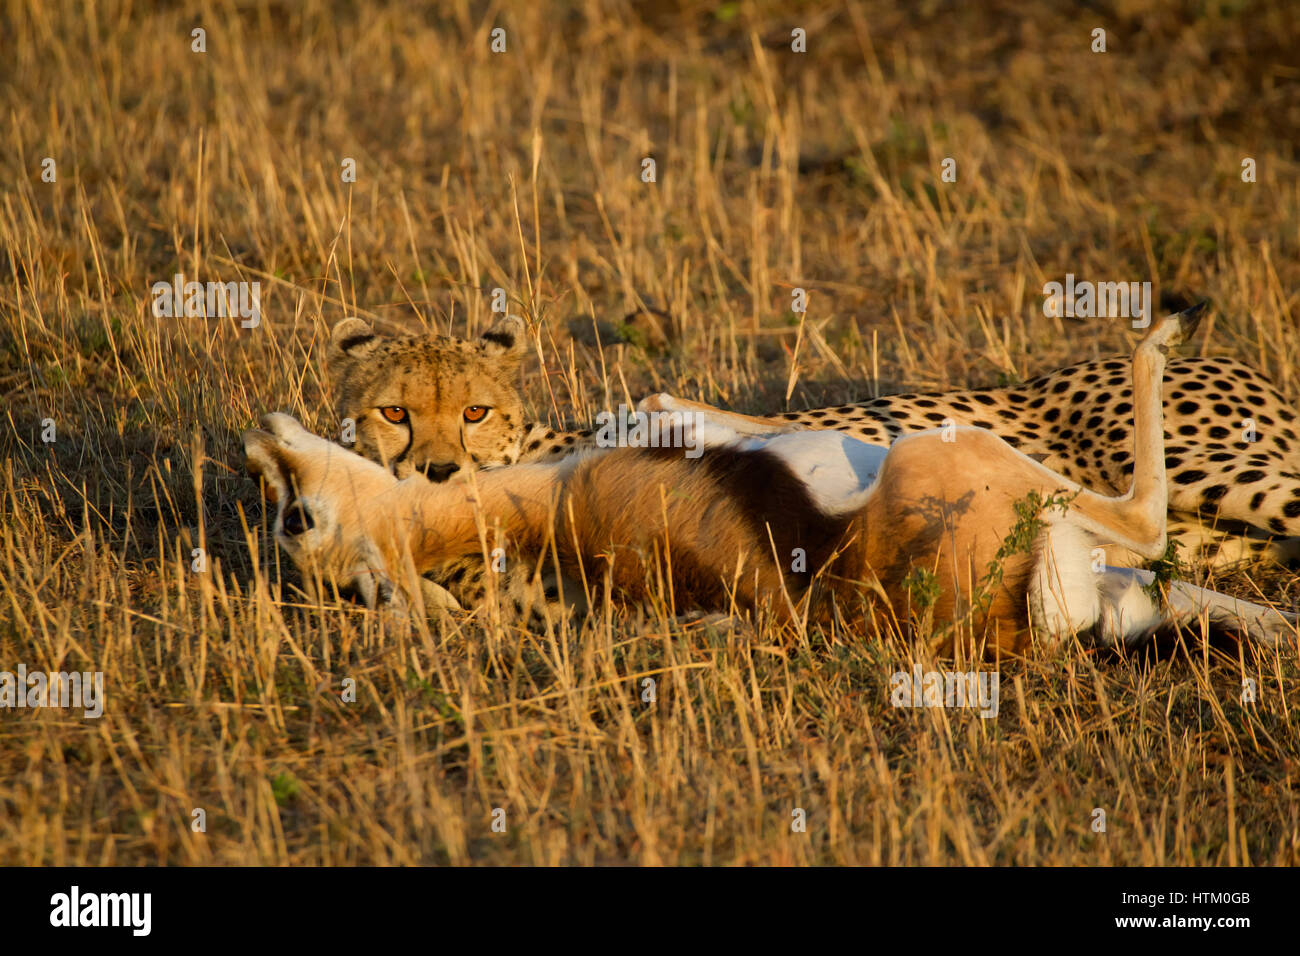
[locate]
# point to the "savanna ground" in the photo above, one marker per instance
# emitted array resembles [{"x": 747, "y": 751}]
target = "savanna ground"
[{"x": 522, "y": 170}]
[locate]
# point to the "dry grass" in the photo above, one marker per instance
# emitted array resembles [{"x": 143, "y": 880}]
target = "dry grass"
[{"x": 521, "y": 170}]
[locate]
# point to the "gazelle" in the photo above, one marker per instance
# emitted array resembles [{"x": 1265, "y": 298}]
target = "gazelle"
[{"x": 800, "y": 521}]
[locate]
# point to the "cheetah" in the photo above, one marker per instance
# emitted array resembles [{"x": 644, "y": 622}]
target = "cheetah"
[
  {"x": 1233, "y": 449},
  {"x": 867, "y": 516},
  {"x": 437, "y": 406},
  {"x": 432, "y": 405}
]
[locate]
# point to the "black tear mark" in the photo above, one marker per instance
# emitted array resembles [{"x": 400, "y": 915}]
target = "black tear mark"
[{"x": 348, "y": 344}]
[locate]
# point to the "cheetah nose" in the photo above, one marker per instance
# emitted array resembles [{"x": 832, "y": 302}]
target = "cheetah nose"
[{"x": 439, "y": 472}]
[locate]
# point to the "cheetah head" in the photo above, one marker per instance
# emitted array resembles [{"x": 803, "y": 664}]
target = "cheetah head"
[{"x": 430, "y": 404}]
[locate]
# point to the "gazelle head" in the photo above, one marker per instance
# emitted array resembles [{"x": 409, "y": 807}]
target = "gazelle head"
[{"x": 326, "y": 498}]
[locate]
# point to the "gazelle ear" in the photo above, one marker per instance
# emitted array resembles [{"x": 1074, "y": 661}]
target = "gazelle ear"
[
  {"x": 507, "y": 336},
  {"x": 262, "y": 456},
  {"x": 351, "y": 338}
]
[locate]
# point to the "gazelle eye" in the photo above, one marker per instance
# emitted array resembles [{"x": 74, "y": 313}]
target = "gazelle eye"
[
  {"x": 476, "y": 413},
  {"x": 394, "y": 413},
  {"x": 297, "y": 520}
]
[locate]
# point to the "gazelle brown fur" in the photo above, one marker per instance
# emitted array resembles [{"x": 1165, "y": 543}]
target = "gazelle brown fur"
[{"x": 724, "y": 527}]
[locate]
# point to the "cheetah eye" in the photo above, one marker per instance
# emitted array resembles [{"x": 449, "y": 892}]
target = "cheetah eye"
[
  {"x": 394, "y": 413},
  {"x": 476, "y": 413}
]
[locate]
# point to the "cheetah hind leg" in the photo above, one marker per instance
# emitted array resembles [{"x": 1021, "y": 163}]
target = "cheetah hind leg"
[{"x": 1222, "y": 546}]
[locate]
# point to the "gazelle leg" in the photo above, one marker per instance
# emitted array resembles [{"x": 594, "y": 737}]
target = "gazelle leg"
[
  {"x": 1264, "y": 624},
  {"x": 740, "y": 424},
  {"x": 1129, "y": 612},
  {"x": 1138, "y": 519}
]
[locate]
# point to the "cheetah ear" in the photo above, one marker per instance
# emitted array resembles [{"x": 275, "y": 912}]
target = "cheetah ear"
[
  {"x": 351, "y": 338},
  {"x": 506, "y": 337}
]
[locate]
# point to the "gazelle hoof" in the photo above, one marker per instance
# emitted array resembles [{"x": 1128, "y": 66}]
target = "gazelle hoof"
[{"x": 1175, "y": 329}]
